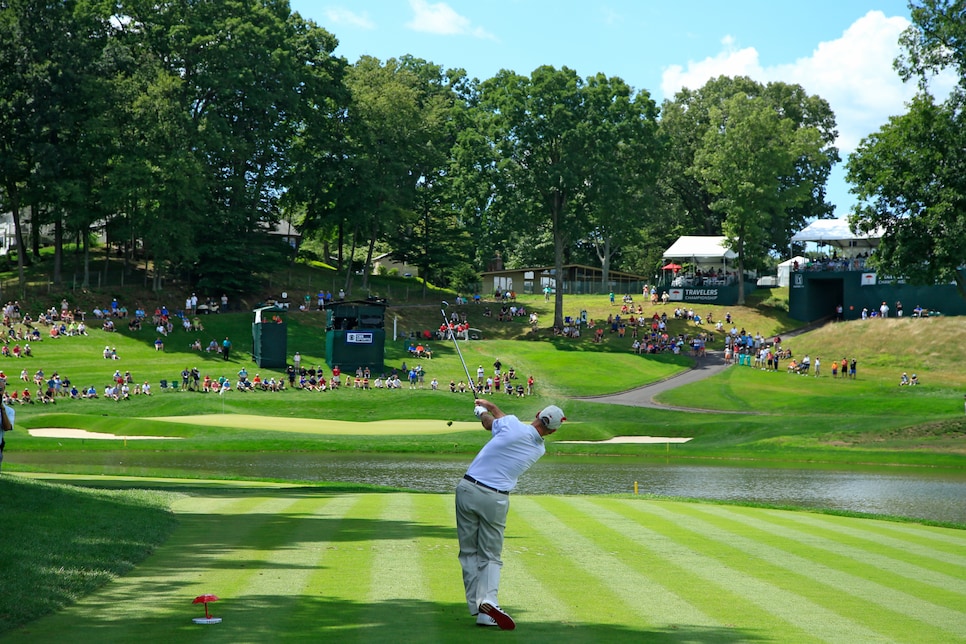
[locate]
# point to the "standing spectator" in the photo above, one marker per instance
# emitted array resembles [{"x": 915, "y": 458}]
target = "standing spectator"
[
  {"x": 224, "y": 305},
  {"x": 225, "y": 347},
  {"x": 6, "y": 421},
  {"x": 852, "y": 366},
  {"x": 297, "y": 362},
  {"x": 884, "y": 310},
  {"x": 898, "y": 309},
  {"x": 818, "y": 365}
]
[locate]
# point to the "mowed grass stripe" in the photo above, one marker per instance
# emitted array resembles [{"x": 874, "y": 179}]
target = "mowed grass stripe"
[
  {"x": 662, "y": 559},
  {"x": 345, "y": 579},
  {"x": 397, "y": 592},
  {"x": 706, "y": 550},
  {"x": 922, "y": 544},
  {"x": 312, "y": 550},
  {"x": 597, "y": 571},
  {"x": 853, "y": 597},
  {"x": 438, "y": 550},
  {"x": 890, "y": 567}
]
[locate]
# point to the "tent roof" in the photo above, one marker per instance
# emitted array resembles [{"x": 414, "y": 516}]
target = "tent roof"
[
  {"x": 706, "y": 248},
  {"x": 836, "y": 232},
  {"x": 789, "y": 262}
]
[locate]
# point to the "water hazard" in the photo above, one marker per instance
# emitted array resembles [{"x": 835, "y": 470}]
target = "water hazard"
[{"x": 920, "y": 494}]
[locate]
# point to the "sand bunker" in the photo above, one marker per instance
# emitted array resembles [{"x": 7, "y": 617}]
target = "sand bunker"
[
  {"x": 632, "y": 439},
  {"x": 63, "y": 432}
]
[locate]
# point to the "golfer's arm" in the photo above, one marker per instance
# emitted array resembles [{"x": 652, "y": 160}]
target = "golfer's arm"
[{"x": 492, "y": 413}]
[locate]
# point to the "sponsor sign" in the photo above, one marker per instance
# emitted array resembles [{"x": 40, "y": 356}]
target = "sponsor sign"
[
  {"x": 798, "y": 280},
  {"x": 675, "y": 294},
  {"x": 701, "y": 294},
  {"x": 358, "y": 337},
  {"x": 868, "y": 279}
]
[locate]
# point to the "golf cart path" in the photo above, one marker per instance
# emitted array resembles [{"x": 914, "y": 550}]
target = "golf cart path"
[{"x": 712, "y": 363}]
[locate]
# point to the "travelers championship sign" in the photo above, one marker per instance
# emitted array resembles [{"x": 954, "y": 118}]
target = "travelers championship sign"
[
  {"x": 358, "y": 337},
  {"x": 722, "y": 295},
  {"x": 686, "y": 294}
]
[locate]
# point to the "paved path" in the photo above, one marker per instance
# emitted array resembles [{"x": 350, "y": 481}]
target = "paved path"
[
  {"x": 705, "y": 367},
  {"x": 711, "y": 364}
]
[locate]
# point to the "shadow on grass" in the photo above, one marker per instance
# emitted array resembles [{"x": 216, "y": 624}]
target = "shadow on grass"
[{"x": 264, "y": 618}]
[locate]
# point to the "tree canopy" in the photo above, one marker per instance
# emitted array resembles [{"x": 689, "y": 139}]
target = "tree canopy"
[
  {"x": 909, "y": 176},
  {"x": 184, "y": 131}
]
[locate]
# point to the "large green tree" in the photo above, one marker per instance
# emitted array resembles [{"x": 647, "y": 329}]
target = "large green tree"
[
  {"x": 746, "y": 161},
  {"x": 685, "y": 123},
  {"x": 557, "y": 139},
  {"x": 52, "y": 109},
  {"x": 910, "y": 176},
  {"x": 247, "y": 74}
]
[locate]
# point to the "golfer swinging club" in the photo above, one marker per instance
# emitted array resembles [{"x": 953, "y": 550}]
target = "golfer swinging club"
[{"x": 483, "y": 499}]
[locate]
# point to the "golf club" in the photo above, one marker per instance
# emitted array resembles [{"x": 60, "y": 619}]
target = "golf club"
[{"x": 469, "y": 379}]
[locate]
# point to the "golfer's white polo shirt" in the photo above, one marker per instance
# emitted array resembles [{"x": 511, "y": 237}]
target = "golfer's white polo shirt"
[{"x": 511, "y": 451}]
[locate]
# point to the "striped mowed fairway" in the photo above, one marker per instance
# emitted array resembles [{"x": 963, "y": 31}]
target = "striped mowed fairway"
[{"x": 301, "y": 564}]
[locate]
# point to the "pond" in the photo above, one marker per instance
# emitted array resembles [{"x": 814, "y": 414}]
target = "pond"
[{"x": 916, "y": 493}]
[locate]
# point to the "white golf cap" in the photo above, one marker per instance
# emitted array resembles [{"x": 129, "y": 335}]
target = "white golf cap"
[{"x": 552, "y": 417}]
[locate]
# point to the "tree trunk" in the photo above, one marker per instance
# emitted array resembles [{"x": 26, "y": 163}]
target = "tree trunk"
[
  {"x": 341, "y": 242},
  {"x": 372, "y": 244},
  {"x": 14, "y": 197},
  {"x": 741, "y": 271},
  {"x": 86, "y": 282},
  {"x": 604, "y": 256},
  {"x": 35, "y": 230},
  {"x": 156, "y": 282},
  {"x": 58, "y": 251},
  {"x": 556, "y": 215},
  {"x": 352, "y": 253}
]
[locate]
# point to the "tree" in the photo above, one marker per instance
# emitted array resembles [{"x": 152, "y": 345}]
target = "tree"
[
  {"x": 52, "y": 104},
  {"x": 745, "y": 160},
  {"x": 685, "y": 123},
  {"x": 909, "y": 176},
  {"x": 910, "y": 179},
  {"x": 626, "y": 160},
  {"x": 557, "y": 139}
]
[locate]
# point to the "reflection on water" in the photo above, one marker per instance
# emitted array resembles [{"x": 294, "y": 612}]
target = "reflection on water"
[{"x": 921, "y": 495}]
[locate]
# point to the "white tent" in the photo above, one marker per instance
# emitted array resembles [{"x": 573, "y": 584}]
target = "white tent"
[
  {"x": 785, "y": 268},
  {"x": 700, "y": 250},
  {"x": 837, "y": 233}
]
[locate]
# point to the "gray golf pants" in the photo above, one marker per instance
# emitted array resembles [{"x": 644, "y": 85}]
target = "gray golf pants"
[{"x": 480, "y": 521}]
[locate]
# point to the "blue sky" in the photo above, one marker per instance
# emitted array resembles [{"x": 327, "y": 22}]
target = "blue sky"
[{"x": 841, "y": 50}]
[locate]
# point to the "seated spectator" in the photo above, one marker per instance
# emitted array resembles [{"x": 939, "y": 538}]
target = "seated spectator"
[
  {"x": 903, "y": 379},
  {"x": 914, "y": 381},
  {"x": 158, "y": 344}
]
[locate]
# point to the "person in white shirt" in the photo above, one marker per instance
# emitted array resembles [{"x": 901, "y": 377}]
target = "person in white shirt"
[{"x": 483, "y": 500}]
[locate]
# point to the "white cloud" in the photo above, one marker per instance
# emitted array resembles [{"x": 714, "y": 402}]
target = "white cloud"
[
  {"x": 343, "y": 16},
  {"x": 442, "y": 20},
  {"x": 853, "y": 73}
]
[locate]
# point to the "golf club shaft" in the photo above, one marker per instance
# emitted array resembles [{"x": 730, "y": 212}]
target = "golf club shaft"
[{"x": 469, "y": 380}]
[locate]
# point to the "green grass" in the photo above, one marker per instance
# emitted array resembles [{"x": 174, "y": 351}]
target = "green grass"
[
  {"x": 296, "y": 564},
  {"x": 319, "y": 562}
]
